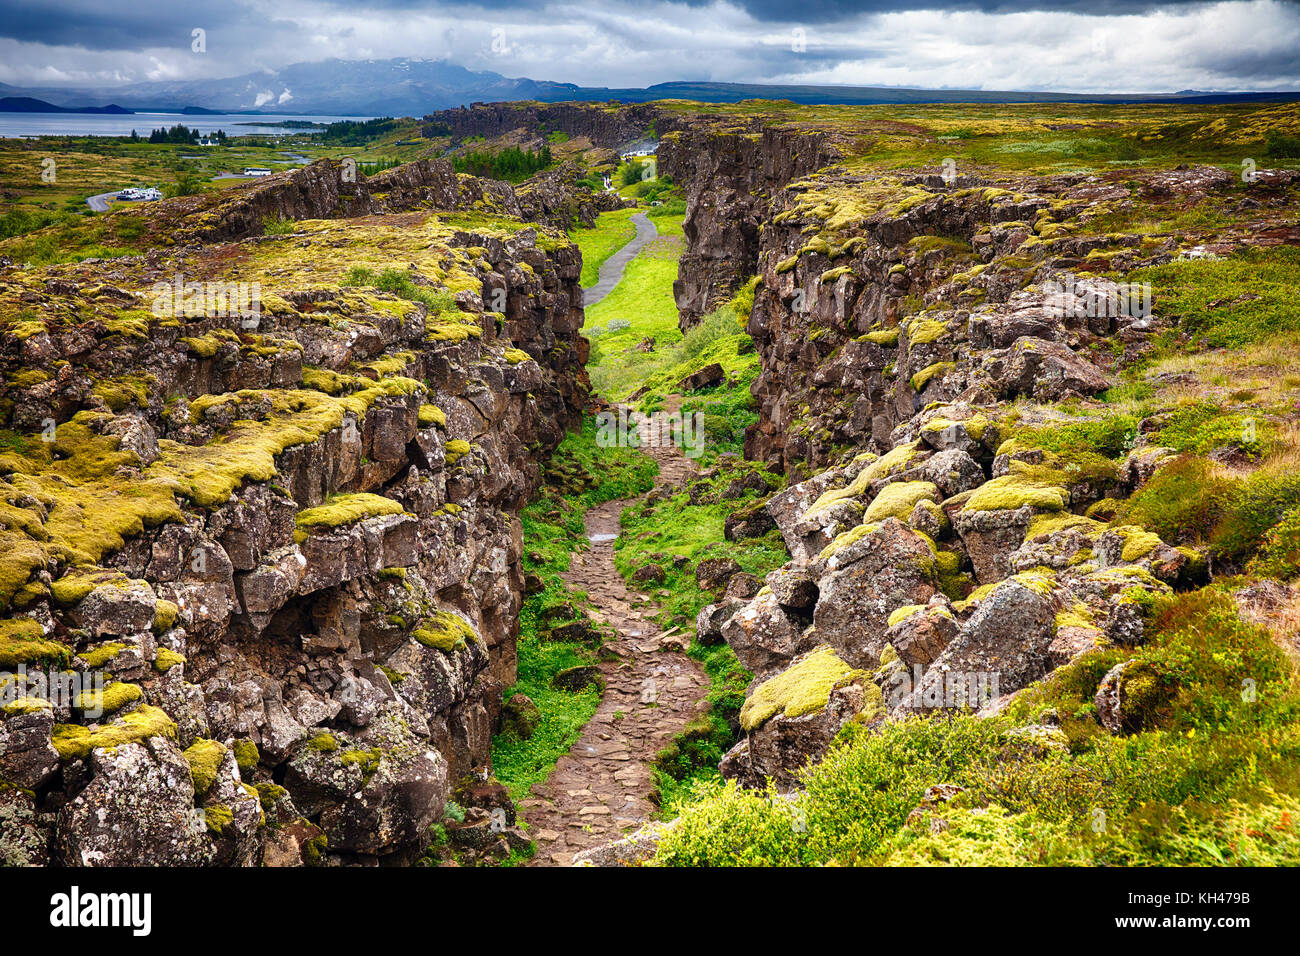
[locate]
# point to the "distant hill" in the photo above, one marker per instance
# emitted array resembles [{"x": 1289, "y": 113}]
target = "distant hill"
[
  {"x": 413, "y": 86},
  {"x": 29, "y": 104}
]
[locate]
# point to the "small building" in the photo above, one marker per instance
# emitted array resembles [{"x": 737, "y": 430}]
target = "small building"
[{"x": 256, "y": 171}]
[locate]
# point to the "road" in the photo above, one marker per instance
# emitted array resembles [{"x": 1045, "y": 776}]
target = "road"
[
  {"x": 611, "y": 270},
  {"x": 100, "y": 203}
]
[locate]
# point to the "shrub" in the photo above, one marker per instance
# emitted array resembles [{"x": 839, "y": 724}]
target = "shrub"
[
  {"x": 1279, "y": 556},
  {"x": 1181, "y": 502},
  {"x": 1256, "y": 505}
]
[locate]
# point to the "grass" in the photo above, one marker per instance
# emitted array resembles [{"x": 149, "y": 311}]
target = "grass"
[
  {"x": 613, "y": 230},
  {"x": 1191, "y": 782},
  {"x": 640, "y": 306},
  {"x": 1240, "y": 300}
]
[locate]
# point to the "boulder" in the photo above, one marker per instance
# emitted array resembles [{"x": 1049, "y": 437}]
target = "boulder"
[
  {"x": 137, "y": 810},
  {"x": 876, "y": 571}
]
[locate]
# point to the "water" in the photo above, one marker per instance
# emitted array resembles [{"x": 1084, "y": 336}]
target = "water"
[
  {"x": 600, "y": 537},
  {"x": 93, "y": 124}
]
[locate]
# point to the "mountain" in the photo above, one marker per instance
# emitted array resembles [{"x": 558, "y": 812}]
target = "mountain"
[
  {"x": 405, "y": 86},
  {"x": 28, "y": 104},
  {"x": 414, "y": 86}
]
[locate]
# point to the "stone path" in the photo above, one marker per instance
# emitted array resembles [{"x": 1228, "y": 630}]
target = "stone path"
[
  {"x": 599, "y": 791},
  {"x": 611, "y": 270}
]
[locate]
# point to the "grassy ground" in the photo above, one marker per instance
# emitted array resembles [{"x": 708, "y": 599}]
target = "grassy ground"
[
  {"x": 1208, "y": 776},
  {"x": 640, "y": 306},
  {"x": 612, "y": 232}
]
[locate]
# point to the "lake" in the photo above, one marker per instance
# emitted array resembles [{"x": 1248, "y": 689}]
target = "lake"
[{"x": 94, "y": 124}]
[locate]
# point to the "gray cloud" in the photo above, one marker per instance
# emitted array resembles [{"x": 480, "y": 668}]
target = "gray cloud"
[{"x": 1074, "y": 45}]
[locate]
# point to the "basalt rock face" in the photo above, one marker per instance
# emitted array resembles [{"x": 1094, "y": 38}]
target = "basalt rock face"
[
  {"x": 553, "y": 198},
  {"x": 278, "y": 551},
  {"x": 605, "y": 127},
  {"x": 329, "y": 189},
  {"x": 729, "y": 177}
]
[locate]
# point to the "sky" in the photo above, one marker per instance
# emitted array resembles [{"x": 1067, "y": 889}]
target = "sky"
[{"x": 1065, "y": 45}]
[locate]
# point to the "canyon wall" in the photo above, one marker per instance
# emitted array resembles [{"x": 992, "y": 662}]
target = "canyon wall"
[{"x": 281, "y": 551}]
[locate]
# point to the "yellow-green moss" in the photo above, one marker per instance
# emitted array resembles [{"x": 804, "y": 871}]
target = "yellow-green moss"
[
  {"x": 1015, "y": 491},
  {"x": 804, "y": 688},
  {"x": 898, "y": 499},
  {"x": 22, "y": 641},
  {"x": 456, "y": 449},
  {"x": 925, "y": 331},
  {"x": 324, "y": 743},
  {"x": 920, "y": 379},
  {"x": 881, "y": 337},
  {"x": 100, "y": 656},
  {"x": 892, "y": 462},
  {"x": 246, "y": 756},
  {"x": 204, "y": 758},
  {"x": 432, "y": 415},
  {"x": 165, "y": 659},
  {"x": 1138, "y": 542},
  {"x": 217, "y": 817},
  {"x": 515, "y": 356},
  {"x": 74, "y": 742},
  {"x": 109, "y": 700},
  {"x": 344, "y": 509},
  {"x": 444, "y": 631},
  {"x": 164, "y": 616}
]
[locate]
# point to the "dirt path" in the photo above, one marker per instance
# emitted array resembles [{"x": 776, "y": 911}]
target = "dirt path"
[
  {"x": 611, "y": 270},
  {"x": 599, "y": 790}
]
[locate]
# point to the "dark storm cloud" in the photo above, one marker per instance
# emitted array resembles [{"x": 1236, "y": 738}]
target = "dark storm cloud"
[
  {"x": 826, "y": 11},
  {"x": 137, "y": 25},
  {"x": 96, "y": 25}
]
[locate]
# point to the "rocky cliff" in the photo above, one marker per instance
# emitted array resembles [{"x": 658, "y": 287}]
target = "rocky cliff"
[
  {"x": 273, "y": 547},
  {"x": 729, "y": 176},
  {"x": 919, "y": 335}
]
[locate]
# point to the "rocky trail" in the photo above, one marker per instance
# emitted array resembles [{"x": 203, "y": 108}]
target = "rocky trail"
[
  {"x": 599, "y": 791},
  {"x": 611, "y": 270}
]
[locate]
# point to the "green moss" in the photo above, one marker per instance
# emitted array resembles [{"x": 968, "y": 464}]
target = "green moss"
[
  {"x": 1015, "y": 491},
  {"x": 341, "y": 509},
  {"x": 925, "y": 331},
  {"x": 898, "y": 499},
  {"x": 101, "y": 655},
  {"x": 896, "y": 460},
  {"x": 881, "y": 337},
  {"x": 921, "y": 378},
  {"x": 24, "y": 705},
  {"x": 515, "y": 356},
  {"x": 803, "y": 688},
  {"x": 109, "y": 700},
  {"x": 218, "y": 816},
  {"x": 444, "y": 631},
  {"x": 22, "y": 641},
  {"x": 164, "y": 616},
  {"x": 204, "y": 758},
  {"x": 367, "y": 760},
  {"x": 324, "y": 743},
  {"x": 74, "y": 742},
  {"x": 269, "y": 794},
  {"x": 246, "y": 756},
  {"x": 432, "y": 415},
  {"x": 456, "y": 449},
  {"x": 165, "y": 659},
  {"x": 846, "y": 538}
]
